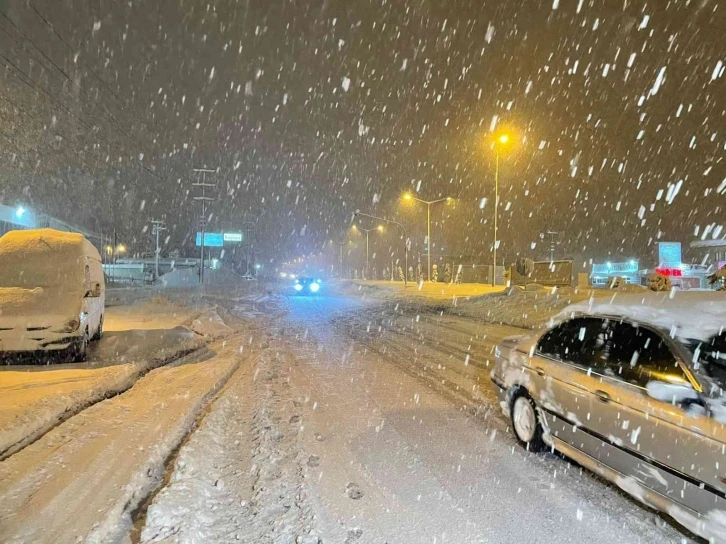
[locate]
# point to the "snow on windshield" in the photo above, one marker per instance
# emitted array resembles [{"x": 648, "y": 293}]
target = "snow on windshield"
[{"x": 41, "y": 258}]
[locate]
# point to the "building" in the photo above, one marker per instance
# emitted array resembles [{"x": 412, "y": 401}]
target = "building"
[
  {"x": 628, "y": 270},
  {"x": 670, "y": 264},
  {"x": 19, "y": 218}
]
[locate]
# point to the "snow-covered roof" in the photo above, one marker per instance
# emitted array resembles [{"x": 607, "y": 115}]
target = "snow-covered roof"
[
  {"x": 43, "y": 257},
  {"x": 685, "y": 315},
  {"x": 40, "y": 240}
]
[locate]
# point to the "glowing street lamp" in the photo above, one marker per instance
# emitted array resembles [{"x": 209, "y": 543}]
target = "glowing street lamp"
[
  {"x": 500, "y": 142},
  {"x": 405, "y": 237},
  {"x": 379, "y": 228},
  {"x": 409, "y": 197}
]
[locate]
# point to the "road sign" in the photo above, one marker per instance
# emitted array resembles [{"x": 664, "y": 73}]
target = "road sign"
[
  {"x": 232, "y": 236},
  {"x": 211, "y": 239},
  {"x": 669, "y": 254}
]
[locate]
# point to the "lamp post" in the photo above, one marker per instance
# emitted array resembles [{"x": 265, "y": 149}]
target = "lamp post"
[
  {"x": 500, "y": 141},
  {"x": 405, "y": 238},
  {"x": 341, "y": 244},
  {"x": 409, "y": 196},
  {"x": 552, "y": 244},
  {"x": 379, "y": 228}
]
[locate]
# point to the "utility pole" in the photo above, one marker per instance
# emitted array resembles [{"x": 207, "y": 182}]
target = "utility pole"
[
  {"x": 552, "y": 244},
  {"x": 156, "y": 228},
  {"x": 341, "y": 244},
  {"x": 496, "y": 213},
  {"x": 203, "y": 219},
  {"x": 248, "y": 240}
]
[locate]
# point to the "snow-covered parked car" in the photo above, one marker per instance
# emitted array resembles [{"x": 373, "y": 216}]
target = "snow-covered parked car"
[
  {"x": 631, "y": 387},
  {"x": 52, "y": 293}
]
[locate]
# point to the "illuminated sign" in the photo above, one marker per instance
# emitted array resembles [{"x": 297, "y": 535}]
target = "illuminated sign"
[
  {"x": 232, "y": 236},
  {"x": 671, "y": 272},
  {"x": 211, "y": 239},
  {"x": 669, "y": 254}
]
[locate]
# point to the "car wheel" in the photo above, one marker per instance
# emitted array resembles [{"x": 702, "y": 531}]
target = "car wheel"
[
  {"x": 99, "y": 332},
  {"x": 81, "y": 349},
  {"x": 525, "y": 422}
]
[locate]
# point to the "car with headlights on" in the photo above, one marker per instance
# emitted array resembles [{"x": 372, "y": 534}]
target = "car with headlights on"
[
  {"x": 307, "y": 286},
  {"x": 632, "y": 388}
]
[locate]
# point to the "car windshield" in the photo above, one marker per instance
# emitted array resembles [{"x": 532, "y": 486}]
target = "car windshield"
[
  {"x": 709, "y": 358},
  {"x": 39, "y": 270}
]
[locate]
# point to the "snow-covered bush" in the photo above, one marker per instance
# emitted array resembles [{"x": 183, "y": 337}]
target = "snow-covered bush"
[
  {"x": 718, "y": 280},
  {"x": 659, "y": 282}
]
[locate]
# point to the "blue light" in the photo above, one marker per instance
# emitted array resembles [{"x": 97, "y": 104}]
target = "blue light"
[
  {"x": 19, "y": 212},
  {"x": 298, "y": 287},
  {"x": 314, "y": 287}
]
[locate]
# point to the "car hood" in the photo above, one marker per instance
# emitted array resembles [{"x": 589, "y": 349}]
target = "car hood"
[{"x": 37, "y": 307}]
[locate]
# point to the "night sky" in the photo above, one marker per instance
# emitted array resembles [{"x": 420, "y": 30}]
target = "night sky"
[{"x": 313, "y": 109}]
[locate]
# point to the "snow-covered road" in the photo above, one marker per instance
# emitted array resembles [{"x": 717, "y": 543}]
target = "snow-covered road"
[
  {"x": 354, "y": 444},
  {"x": 329, "y": 419}
]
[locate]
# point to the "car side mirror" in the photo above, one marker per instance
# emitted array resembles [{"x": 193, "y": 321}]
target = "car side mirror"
[
  {"x": 673, "y": 393},
  {"x": 94, "y": 291}
]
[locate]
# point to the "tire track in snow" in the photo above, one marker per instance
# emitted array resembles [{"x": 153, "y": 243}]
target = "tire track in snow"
[
  {"x": 111, "y": 456},
  {"x": 187, "y": 355},
  {"x": 221, "y": 491}
]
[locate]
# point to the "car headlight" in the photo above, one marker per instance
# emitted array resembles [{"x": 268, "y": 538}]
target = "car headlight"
[
  {"x": 71, "y": 325},
  {"x": 497, "y": 351},
  {"x": 314, "y": 287},
  {"x": 298, "y": 287}
]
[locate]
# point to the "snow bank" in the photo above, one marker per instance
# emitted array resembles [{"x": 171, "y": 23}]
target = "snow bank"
[
  {"x": 82, "y": 481},
  {"x": 189, "y": 277},
  {"x": 210, "y": 324},
  {"x": 521, "y": 308}
]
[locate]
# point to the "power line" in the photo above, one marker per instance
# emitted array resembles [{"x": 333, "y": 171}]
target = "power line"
[
  {"x": 98, "y": 78},
  {"x": 58, "y": 68},
  {"x": 55, "y": 102}
]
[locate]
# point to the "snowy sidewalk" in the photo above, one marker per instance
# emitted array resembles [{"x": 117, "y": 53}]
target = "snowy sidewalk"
[{"x": 83, "y": 479}]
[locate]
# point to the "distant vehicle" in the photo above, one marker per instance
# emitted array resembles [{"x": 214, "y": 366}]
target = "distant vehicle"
[
  {"x": 248, "y": 277},
  {"x": 52, "y": 293},
  {"x": 633, "y": 389},
  {"x": 307, "y": 286}
]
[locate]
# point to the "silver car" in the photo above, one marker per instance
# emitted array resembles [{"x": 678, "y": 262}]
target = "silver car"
[{"x": 633, "y": 389}]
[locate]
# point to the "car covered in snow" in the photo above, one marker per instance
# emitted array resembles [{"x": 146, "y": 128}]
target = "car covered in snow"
[
  {"x": 631, "y": 387},
  {"x": 52, "y": 293}
]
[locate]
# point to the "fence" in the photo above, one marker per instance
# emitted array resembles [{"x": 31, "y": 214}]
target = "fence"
[{"x": 549, "y": 273}]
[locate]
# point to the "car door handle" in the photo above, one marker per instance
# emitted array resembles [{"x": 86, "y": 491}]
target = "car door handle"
[
  {"x": 539, "y": 371},
  {"x": 602, "y": 396}
]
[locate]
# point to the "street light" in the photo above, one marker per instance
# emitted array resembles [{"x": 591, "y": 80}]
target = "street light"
[
  {"x": 405, "y": 238},
  {"x": 379, "y": 228},
  {"x": 501, "y": 141},
  {"x": 410, "y": 197}
]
